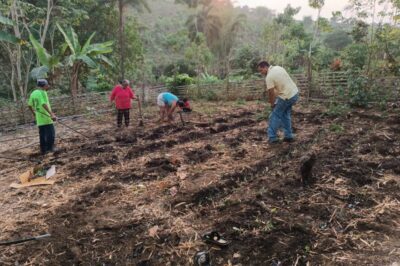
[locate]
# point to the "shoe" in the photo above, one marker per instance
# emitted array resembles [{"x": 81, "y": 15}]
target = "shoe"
[{"x": 288, "y": 140}]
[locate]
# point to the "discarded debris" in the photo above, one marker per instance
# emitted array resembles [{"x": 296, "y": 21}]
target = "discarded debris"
[
  {"x": 202, "y": 258},
  {"x": 36, "y": 176},
  {"x": 153, "y": 231},
  {"x": 214, "y": 237},
  {"x": 22, "y": 240}
]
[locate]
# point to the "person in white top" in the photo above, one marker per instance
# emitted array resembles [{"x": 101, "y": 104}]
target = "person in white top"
[{"x": 282, "y": 95}]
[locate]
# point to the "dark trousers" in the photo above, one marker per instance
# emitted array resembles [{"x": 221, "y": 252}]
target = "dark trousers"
[
  {"x": 47, "y": 136},
  {"x": 125, "y": 114}
]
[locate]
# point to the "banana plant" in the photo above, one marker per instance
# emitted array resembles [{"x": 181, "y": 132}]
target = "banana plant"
[
  {"x": 88, "y": 54},
  {"x": 5, "y": 36},
  {"x": 48, "y": 62}
]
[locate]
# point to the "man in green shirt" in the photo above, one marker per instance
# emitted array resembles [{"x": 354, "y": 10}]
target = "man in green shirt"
[{"x": 40, "y": 107}]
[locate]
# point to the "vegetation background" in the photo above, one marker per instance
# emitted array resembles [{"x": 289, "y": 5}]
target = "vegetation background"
[{"x": 88, "y": 45}]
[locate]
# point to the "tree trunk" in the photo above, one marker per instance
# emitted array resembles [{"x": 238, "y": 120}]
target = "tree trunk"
[
  {"x": 309, "y": 78},
  {"x": 121, "y": 38},
  {"x": 74, "y": 80},
  {"x": 371, "y": 41},
  {"x": 28, "y": 68},
  {"x": 227, "y": 71},
  {"x": 12, "y": 79},
  {"x": 18, "y": 59},
  {"x": 19, "y": 73},
  {"x": 309, "y": 64},
  {"x": 13, "y": 84},
  {"x": 47, "y": 22}
]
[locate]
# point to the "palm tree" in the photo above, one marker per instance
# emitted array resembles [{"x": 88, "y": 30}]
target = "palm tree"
[
  {"x": 139, "y": 4},
  {"x": 193, "y": 3},
  {"x": 205, "y": 22},
  {"x": 89, "y": 54},
  {"x": 227, "y": 41}
]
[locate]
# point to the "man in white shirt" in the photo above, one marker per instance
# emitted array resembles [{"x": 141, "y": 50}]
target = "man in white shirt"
[{"x": 282, "y": 95}]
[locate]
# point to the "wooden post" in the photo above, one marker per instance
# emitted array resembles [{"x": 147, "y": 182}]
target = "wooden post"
[{"x": 309, "y": 79}]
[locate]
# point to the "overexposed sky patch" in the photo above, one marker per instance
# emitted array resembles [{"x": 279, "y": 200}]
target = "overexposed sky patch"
[{"x": 279, "y": 5}]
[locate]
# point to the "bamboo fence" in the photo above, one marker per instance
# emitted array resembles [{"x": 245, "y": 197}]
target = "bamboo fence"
[{"x": 325, "y": 86}]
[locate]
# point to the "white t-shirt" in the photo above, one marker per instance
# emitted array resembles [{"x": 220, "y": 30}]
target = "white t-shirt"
[{"x": 278, "y": 78}]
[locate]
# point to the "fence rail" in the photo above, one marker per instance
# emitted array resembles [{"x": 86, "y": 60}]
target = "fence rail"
[{"x": 324, "y": 86}]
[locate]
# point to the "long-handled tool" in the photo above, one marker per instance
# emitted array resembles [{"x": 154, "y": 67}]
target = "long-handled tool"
[
  {"x": 70, "y": 128},
  {"x": 140, "y": 113},
  {"x": 65, "y": 125},
  {"x": 18, "y": 159},
  {"x": 17, "y": 241},
  {"x": 180, "y": 115}
]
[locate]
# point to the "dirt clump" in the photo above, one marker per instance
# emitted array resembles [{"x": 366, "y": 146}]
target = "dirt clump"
[
  {"x": 220, "y": 120},
  {"x": 391, "y": 164},
  {"x": 86, "y": 169},
  {"x": 126, "y": 138},
  {"x": 159, "y": 168},
  {"x": 199, "y": 155}
]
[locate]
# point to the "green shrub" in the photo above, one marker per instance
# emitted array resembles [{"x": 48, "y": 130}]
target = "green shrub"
[
  {"x": 264, "y": 115},
  {"x": 240, "y": 101},
  {"x": 336, "y": 128},
  {"x": 355, "y": 56},
  {"x": 236, "y": 78},
  {"x": 358, "y": 90},
  {"x": 210, "y": 95},
  {"x": 208, "y": 79},
  {"x": 176, "y": 81},
  {"x": 337, "y": 109},
  {"x": 97, "y": 81}
]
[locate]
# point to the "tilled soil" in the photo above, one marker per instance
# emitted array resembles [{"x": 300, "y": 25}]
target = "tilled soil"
[{"x": 145, "y": 196}]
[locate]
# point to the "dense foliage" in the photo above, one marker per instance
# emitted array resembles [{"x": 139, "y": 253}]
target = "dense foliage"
[{"x": 185, "y": 41}]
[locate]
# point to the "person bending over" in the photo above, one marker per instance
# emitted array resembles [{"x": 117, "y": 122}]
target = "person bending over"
[
  {"x": 168, "y": 102},
  {"x": 282, "y": 95}
]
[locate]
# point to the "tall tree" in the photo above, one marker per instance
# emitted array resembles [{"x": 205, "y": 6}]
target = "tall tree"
[
  {"x": 122, "y": 4},
  {"x": 7, "y": 40},
  {"x": 316, "y": 4},
  {"x": 232, "y": 24},
  {"x": 367, "y": 9},
  {"x": 207, "y": 23},
  {"x": 193, "y": 3}
]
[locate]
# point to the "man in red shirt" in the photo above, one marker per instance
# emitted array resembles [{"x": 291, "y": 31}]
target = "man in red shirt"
[{"x": 122, "y": 94}]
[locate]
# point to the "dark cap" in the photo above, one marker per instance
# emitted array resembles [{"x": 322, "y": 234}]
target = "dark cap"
[
  {"x": 42, "y": 82},
  {"x": 180, "y": 103}
]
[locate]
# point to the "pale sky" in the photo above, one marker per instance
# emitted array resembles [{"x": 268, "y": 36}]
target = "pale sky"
[{"x": 279, "y": 6}]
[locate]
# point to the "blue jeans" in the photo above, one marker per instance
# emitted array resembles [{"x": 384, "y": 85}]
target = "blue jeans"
[{"x": 281, "y": 117}]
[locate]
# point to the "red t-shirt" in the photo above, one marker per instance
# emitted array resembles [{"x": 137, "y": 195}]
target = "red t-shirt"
[{"x": 122, "y": 97}]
